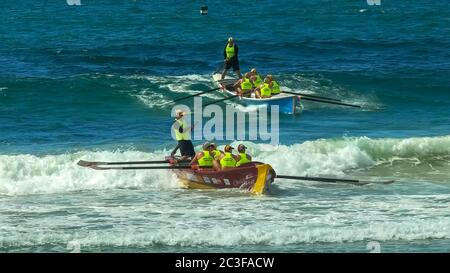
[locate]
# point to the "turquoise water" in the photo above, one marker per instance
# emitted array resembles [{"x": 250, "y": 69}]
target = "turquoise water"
[{"x": 89, "y": 82}]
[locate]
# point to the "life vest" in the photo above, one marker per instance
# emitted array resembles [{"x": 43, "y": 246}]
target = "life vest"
[
  {"x": 186, "y": 134},
  {"x": 257, "y": 81},
  {"x": 230, "y": 51},
  {"x": 228, "y": 161},
  {"x": 216, "y": 153},
  {"x": 206, "y": 160},
  {"x": 244, "y": 159},
  {"x": 275, "y": 88},
  {"x": 246, "y": 85},
  {"x": 265, "y": 91}
]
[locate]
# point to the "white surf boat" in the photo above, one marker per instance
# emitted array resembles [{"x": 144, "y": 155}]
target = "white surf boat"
[{"x": 288, "y": 104}]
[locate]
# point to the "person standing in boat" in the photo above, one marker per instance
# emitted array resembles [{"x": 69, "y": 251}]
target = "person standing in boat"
[
  {"x": 205, "y": 158},
  {"x": 243, "y": 157},
  {"x": 227, "y": 160},
  {"x": 230, "y": 54},
  {"x": 183, "y": 136}
]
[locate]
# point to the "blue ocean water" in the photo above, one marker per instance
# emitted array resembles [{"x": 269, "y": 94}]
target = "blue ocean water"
[{"x": 90, "y": 82}]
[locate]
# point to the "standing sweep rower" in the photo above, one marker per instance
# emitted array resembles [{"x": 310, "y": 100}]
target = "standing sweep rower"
[
  {"x": 183, "y": 136},
  {"x": 230, "y": 54}
]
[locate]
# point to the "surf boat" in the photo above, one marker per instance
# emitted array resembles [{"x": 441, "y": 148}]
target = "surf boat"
[
  {"x": 255, "y": 177},
  {"x": 288, "y": 104}
]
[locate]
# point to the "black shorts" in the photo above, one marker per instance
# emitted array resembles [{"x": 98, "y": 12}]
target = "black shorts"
[
  {"x": 186, "y": 148},
  {"x": 232, "y": 63}
]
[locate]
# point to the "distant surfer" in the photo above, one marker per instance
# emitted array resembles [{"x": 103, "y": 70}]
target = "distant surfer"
[
  {"x": 183, "y": 136},
  {"x": 230, "y": 54}
]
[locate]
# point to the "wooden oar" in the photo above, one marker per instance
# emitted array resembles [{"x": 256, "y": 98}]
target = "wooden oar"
[
  {"x": 198, "y": 94},
  {"x": 227, "y": 98},
  {"x": 334, "y": 180},
  {"x": 90, "y": 163},
  {"x": 96, "y": 167},
  {"x": 312, "y": 96},
  {"x": 332, "y": 102}
]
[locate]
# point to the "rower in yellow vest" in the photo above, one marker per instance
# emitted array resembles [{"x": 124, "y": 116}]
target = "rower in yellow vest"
[
  {"x": 274, "y": 85},
  {"x": 244, "y": 86},
  {"x": 227, "y": 160},
  {"x": 243, "y": 157},
  {"x": 182, "y": 132},
  {"x": 265, "y": 91},
  {"x": 216, "y": 152},
  {"x": 205, "y": 158},
  {"x": 257, "y": 81}
]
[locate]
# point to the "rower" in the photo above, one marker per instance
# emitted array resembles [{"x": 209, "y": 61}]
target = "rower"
[
  {"x": 257, "y": 81},
  {"x": 274, "y": 85},
  {"x": 244, "y": 86},
  {"x": 205, "y": 158},
  {"x": 243, "y": 157},
  {"x": 265, "y": 90},
  {"x": 216, "y": 152},
  {"x": 227, "y": 160}
]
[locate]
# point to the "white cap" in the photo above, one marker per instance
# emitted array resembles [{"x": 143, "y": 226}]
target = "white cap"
[
  {"x": 179, "y": 112},
  {"x": 230, "y": 39}
]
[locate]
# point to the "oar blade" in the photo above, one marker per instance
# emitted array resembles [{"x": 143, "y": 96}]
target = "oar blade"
[
  {"x": 84, "y": 163},
  {"x": 331, "y": 102},
  {"x": 335, "y": 180},
  {"x": 312, "y": 96}
]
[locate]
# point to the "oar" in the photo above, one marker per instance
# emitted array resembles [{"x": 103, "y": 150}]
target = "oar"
[
  {"x": 198, "y": 94},
  {"x": 308, "y": 95},
  {"x": 332, "y": 102},
  {"x": 90, "y": 163},
  {"x": 227, "y": 98},
  {"x": 334, "y": 180},
  {"x": 95, "y": 167}
]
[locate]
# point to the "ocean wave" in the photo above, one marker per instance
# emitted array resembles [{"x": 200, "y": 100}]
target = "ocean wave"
[
  {"x": 238, "y": 235},
  {"x": 338, "y": 156},
  {"x": 30, "y": 174}
]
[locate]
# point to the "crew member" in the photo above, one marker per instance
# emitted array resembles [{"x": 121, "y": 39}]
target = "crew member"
[
  {"x": 230, "y": 54},
  {"x": 244, "y": 86},
  {"x": 227, "y": 160},
  {"x": 274, "y": 86},
  {"x": 265, "y": 91},
  {"x": 183, "y": 136},
  {"x": 205, "y": 158},
  {"x": 243, "y": 157}
]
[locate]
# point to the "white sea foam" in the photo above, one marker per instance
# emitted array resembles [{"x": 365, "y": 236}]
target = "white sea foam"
[
  {"x": 269, "y": 233},
  {"x": 30, "y": 174}
]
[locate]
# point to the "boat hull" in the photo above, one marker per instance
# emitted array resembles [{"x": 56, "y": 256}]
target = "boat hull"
[
  {"x": 255, "y": 177},
  {"x": 287, "y": 103}
]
